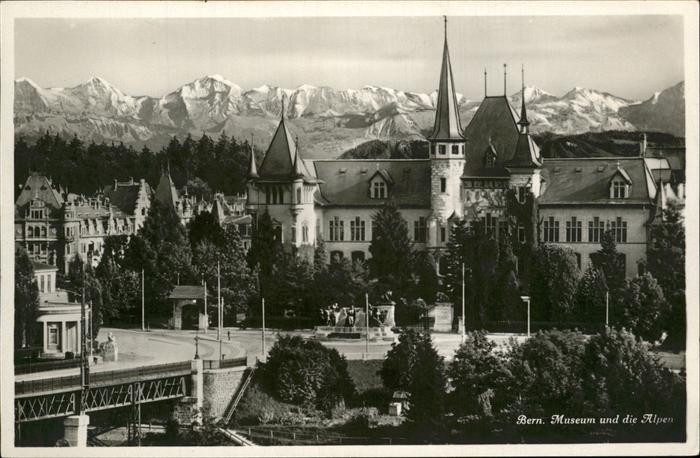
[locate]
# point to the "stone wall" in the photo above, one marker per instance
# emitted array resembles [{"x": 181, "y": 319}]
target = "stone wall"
[{"x": 220, "y": 385}]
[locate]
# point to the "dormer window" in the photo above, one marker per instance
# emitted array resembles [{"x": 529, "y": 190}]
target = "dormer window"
[
  {"x": 379, "y": 190},
  {"x": 455, "y": 150},
  {"x": 442, "y": 149},
  {"x": 619, "y": 189},
  {"x": 490, "y": 160}
]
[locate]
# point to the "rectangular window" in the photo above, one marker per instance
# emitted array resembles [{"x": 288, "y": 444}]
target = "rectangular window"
[
  {"x": 335, "y": 227},
  {"x": 294, "y": 234},
  {"x": 443, "y": 184},
  {"x": 573, "y": 230},
  {"x": 522, "y": 194},
  {"x": 595, "y": 229},
  {"x": 551, "y": 230},
  {"x": 41, "y": 283},
  {"x": 53, "y": 335},
  {"x": 619, "y": 227},
  {"x": 578, "y": 260},
  {"x": 455, "y": 149},
  {"x": 379, "y": 190},
  {"x": 442, "y": 149},
  {"x": 619, "y": 189},
  {"x": 419, "y": 230},
  {"x": 357, "y": 256},
  {"x": 489, "y": 223},
  {"x": 305, "y": 233},
  {"x": 443, "y": 234},
  {"x": 521, "y": 233},
  {"x": 357, "y": 230}
]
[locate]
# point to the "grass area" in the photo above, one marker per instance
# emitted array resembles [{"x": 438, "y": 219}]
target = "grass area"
[{"x": 365, "y": 374}]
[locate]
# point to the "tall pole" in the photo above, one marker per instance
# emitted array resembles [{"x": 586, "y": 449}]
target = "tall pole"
[
  {"x": 367, "y": 325},
  {"x": 528, "y": 317},
  {"x": 607, "y": 308},
  {"x": 263, "y": 330},
  {"x": 218, "y": 289},
  {"x": 143, "y": 306},
  {"x": 205, "y": 325},
  {"x": 505, "y": 73},
  {"x": 464, "y": 317},
  {"x": 83, "y": 371}
]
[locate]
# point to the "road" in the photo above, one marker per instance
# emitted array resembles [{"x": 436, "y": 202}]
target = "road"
[{"x": 139, "y": 348}]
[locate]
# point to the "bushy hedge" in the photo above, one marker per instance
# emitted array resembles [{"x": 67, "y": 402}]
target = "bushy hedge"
[{"x": 306, "y": 373}]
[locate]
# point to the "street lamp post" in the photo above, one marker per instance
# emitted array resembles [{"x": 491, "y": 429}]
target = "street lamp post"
[
  {"x": 366, "y": 325},
  {"x": 263, "y": 330},
  {"x": 196, "y": 346},
  {"x": 464, "y": 317},
  {"x": 143, "y": 307},
  {"x": 607, "y": 308},
  {"x": 526, "y": 299},
  {"x": 84, "y": 367}
]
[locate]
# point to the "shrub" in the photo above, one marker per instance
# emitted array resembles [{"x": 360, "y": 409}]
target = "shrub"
[
  {"x": 480, "y": 376},
  {"x": 620, "y": 375},
  {"x": 427, "y": 391},
  {"x": 306, "y": 373},
  {"x": 644, "y": 307},
  {"x": 397, "y": 370}
]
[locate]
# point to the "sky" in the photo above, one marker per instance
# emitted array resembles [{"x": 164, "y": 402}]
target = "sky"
[{"x": 628, "y": 56}]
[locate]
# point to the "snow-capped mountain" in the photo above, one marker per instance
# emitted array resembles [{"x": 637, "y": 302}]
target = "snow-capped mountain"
[{"x": 328, "y": 121}]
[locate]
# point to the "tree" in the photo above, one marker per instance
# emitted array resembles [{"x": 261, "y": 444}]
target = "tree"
[
  {"x": 391, "y": 249},
  {"x": 307, "y": 373},
  {"x": 161, "y": 248},
  {"x": 619, "y": 374},
  {"x": 426, "y": 391},
  {"x": 611, "y": 263},
  {"x": 553, "y": 284},
  {"x": 546, "y": 371},
  {"x": 26, "y": 299},
  {"x": 590, "y": 296},
  {"x": 478, "y": 371},
  {"x": 82, "y": 280},
  {"x": 204, "y": 227},
  {"x": 424, "y": 277},
  {"x": 642, "y": 307},
  {"x": 265, "y": 250},
  {"x": 398, "y": 367},
  {"x": 666, "y": 262}
]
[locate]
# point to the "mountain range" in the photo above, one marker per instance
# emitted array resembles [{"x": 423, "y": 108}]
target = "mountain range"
[{"x": 327, "y": 121}]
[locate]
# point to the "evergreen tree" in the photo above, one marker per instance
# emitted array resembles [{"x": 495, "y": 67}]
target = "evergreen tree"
[
  {"x": 642, "y": 307},
  {"x": 590, "y": 296},
  {"x": 26, "y": 299},
  {"x": 611, "y": 263},
  {"x": 398, "y": 368},
  {"x": 391, "y": 249},
  {"x": 666, "y": 263},
  {"x": 427, "y": 392},
  {"x": 553, "y": 284},
  {"x": 204, "y": 227}
]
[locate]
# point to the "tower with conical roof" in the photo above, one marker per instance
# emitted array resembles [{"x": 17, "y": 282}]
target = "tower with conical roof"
[
  {"x": 447, "y": 158},
  {"x": 284, "y": 186},
  {"x": 525, "y": 165}
]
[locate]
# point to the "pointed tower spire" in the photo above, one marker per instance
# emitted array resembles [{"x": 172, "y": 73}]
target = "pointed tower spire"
[
  {"x": 298, "y": 170},
  {"x": 252, "y": 168},
  {"x": 447, "y": 124},
  {"x": 524, "y": 123}
]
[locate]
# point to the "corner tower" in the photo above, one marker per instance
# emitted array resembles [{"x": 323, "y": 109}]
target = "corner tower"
[{"x": 446, "y": 155}]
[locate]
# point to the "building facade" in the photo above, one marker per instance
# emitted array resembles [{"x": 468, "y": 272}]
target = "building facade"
[
  {"x": 469, "y": 174},
  {"x": 54, "y": 226}
]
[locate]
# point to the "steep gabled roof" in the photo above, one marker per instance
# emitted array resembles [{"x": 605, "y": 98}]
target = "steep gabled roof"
[
  {"x": 496, "y": 120},
  {"x": 447, "y": 124},
  {"x": 346, "y": 182},
  {"x": 166, "y": 192},
  {"x": 125, "y": 195},
  {"x": 39, "y": 186},
  {"x": 587, "y": 181}
]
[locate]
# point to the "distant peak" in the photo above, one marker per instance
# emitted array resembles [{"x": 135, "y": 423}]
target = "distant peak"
[
  {"x": 29, "y": 81},
  {"x": 306, "y": 87}
]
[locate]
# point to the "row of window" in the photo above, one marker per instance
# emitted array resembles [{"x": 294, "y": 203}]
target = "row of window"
[
  {"x": 39, "y": 231},
  {"x": 358, "y": 232},
  {"x": 441, "y": 149},
  {"x": 574, "y": 229}
]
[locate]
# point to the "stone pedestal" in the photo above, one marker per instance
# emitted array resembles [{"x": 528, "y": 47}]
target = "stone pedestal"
[
  {"x": 443, "y": 312},
  {"x": 75, "y": 430},
  {"x": 110, "y": 352},
  {"x": 203, "y": 322},
  {"x": 387, "y": 311}
]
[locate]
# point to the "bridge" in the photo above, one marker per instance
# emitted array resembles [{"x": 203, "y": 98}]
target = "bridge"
[{"x": 48, "y": 398}]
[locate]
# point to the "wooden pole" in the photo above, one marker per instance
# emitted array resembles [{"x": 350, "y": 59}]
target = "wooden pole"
[
  {"x": 205, "y": 325},
  {"x": 607, "y": 309},
  {"x": 218, "y": 293},
  {"x": 366, "y": 325}
]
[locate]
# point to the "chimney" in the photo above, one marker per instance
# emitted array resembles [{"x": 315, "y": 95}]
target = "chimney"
[{"x": 643, "y": 145}]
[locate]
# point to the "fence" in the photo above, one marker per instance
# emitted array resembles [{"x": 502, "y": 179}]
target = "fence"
[
  {"x": 42, "y": 366},
  {"x": 283, "y": 435}
]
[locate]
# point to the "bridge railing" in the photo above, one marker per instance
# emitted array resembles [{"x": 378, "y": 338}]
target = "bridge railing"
[
  {"x": 102, "y": 378},
  {"x": 224, "y": 363},
  {"x": 32, "y": 367}
]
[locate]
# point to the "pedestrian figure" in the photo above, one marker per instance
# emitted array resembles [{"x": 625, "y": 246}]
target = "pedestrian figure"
[{"x": 229, "y": 334}]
